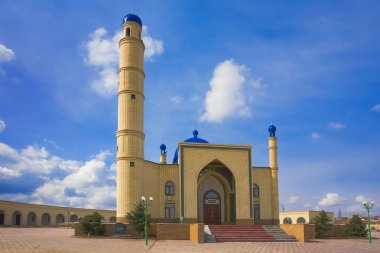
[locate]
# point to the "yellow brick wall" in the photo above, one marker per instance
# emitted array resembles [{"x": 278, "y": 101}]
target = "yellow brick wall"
[{"x": 262, "y": 177}]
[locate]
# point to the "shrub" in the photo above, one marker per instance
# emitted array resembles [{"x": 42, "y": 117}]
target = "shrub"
[
  {"x": 91, "y": 224},
  {"x": 322, "y": 224},
  {"x": 355, "y": 227}
]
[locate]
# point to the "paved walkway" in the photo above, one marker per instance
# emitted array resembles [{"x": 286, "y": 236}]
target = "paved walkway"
[{"x": 57, "y": 240}]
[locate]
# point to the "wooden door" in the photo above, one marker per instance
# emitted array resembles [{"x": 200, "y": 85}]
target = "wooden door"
[{"x": 212, "y": 207}]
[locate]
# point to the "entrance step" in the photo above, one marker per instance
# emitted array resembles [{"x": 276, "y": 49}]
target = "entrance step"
[{"x": 248, "y": 233}]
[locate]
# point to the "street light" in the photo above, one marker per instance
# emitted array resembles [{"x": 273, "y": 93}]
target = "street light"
[
  {"x": 146, "y": 216},
  {"x": 369, "y": 206}
]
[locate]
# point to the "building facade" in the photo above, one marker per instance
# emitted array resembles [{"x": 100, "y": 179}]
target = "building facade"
[
  {"x": 301, "y": 217},
  {"x": 206, "y": 182},
  {"x": 23, "y": 214}
]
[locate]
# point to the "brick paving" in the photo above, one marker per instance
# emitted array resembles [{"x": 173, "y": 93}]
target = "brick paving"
[{"x": 57, "y": 240}]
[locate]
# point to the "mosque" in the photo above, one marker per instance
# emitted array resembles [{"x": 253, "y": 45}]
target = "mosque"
[{"x": 205, "y": 182}]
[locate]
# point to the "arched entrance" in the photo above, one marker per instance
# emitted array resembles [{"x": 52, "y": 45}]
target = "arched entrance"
[
  {"x": 16, "y": 218},
  {"x": 216, "y": 194},
  {"x": 2, "y": 218},
  {"x": 45, "y": 219},
  {"x": 31, "y": 219},
  {"x": 60, "y": 218},
  {"x": 212, "y": 207}
]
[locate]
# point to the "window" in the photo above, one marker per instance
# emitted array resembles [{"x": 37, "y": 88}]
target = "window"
[
  {"x": 301, "y": 220},
  {"x": 128, "y": 32},
  {"x": 133, "y": 96},
  {"x": 287, "y": 220},
  {"x": 256, "y": 191},
  {"x": 131, "y": 164},
  {"x": 169, "y": 211},
  {"x": 169, "y": 188},
  {"x": 256, "y": 211}
]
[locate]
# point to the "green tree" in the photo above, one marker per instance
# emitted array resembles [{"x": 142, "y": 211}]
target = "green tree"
[
  {"x": 136, "y": 218},
  {"x": 355, "y": 227},
  {"x": 91, "y": 224},
  {"x": 322, "y": 224}
]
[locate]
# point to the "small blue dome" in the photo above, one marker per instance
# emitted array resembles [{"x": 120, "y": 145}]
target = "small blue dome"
[
  {"x": 194, "y": 139},
  {"x": 272, "y": 130},
  {"x": 132, "y": 18},
  {"x": 162, "y": 147}
]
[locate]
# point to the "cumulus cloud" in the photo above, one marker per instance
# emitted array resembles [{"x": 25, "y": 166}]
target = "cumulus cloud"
[
  {"x": 315, "y": 136},
  {"x": 6, "y": 54},
  {"x": 293, "y": 199},
  {"x": 226, "y": 96},
  {"x": 2, "y": 126},
  {"x": 376, "y": 108},
  {"x": 103, "y": 53},
  {"x": 90, "y": 184},
  {"x": 336, "y": 125},
  {"x": 331, "y": 199}
]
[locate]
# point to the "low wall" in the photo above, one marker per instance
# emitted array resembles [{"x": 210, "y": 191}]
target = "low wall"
[
  {"x": 162, "y": 231},
  {"x": 302, "y": 232}
]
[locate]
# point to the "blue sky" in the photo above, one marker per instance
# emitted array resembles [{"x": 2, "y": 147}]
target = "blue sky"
[{"x": 233, "y": 67}]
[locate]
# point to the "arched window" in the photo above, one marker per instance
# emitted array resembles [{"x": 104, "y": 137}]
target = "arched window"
[
  {"x": 301, "y": 220},
  {"x": 287, "y": 220},
  {"x": 169, "y": 188},
  {"x": 128, "y": 32},
  {"x": 74, "y": 218},
  {"x": 113, "y": 219},
  {"x": 256, "y": 191}
]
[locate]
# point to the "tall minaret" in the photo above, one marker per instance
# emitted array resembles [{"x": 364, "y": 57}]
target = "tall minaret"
[
  {"x": 274, "y": 172},
  {"x": 130, "y": 130}
]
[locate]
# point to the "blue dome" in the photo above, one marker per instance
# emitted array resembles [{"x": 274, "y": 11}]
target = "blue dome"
[
  {"x": 194, "y": 139},
  {"x": 132, "y": 18}
]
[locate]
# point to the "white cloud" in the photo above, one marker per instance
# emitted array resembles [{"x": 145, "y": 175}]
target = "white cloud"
[
  {"x": 293, "y": 199},
  {"x": 103, "y": 53},
  {"x": 226, "y": 97},
  {"x": 376, "y": 108},
  {"x": 2, "y": 126},
  {"x": 331, "y": 199},
  {"x": 360, "y": 199},
  {"x": 6, "y": 54},
  {"x": 336, "y": 125},
  {"x": 5, "y": 172},
  {"x": 83, "y": 184},
  {"x": 153, "y": 47},
  {"x": 315, "y": 136},
  {"x": 176, "y": 100}
]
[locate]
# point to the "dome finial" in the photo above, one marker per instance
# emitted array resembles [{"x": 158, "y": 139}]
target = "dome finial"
[
  {"x": 272, "y": 130},
  {"x": 195, "y": 133},
  {"x": 163, "y": 148}
]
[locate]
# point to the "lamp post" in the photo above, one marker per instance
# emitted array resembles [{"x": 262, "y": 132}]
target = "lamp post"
[
  {"x": 368, "y": 206},
  {"x": 146, "y": 216}
]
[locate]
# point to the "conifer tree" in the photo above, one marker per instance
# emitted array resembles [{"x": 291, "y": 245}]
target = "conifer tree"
[
  {"x": 136, "y": 218},
  {"x": 91, "y": 224},
  {"x": 355, "y": 227},
  {"x": 322, "y": 224}
]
